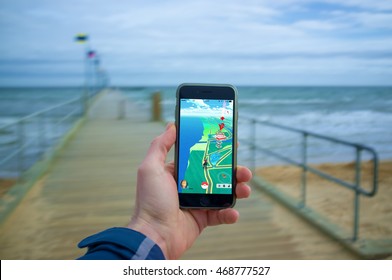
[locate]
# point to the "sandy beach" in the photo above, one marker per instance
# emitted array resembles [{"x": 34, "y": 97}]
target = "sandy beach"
[{"x": 336, "y": 202}]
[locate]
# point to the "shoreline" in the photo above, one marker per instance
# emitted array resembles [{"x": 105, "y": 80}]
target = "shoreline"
[{"x": 336, "y": 202}]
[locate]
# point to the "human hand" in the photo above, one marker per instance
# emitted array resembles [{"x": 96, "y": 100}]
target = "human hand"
[{"x": 157, "y": 213}]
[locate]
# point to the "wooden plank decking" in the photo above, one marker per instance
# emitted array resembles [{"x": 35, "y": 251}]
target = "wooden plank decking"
[{"x": 91, "y": 185}]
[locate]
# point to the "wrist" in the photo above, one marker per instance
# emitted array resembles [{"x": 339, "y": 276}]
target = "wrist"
[{"x": 148, "y": 230}]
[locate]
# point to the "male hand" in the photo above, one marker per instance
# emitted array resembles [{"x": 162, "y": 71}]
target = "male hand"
[{"x": 157, "y": 213}]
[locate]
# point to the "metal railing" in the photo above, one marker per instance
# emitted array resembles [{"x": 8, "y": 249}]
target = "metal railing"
[
  {"x": 41, "y": 129},
  {"x": 354, "y": 186}
]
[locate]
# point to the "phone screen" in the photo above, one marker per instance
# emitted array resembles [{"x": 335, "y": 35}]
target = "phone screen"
[{"x": 205, "y": 162}]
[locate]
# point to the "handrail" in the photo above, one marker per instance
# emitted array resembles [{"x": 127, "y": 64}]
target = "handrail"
[
  {"x": 43, "y": 111},
  {"x": 317, "y": 135},
  {"x": 41, "y": 119},
  {"x": 359, "y": 148}
]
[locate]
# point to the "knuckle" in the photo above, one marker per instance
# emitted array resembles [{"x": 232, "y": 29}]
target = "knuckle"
[{"x": 142, "y": 169}]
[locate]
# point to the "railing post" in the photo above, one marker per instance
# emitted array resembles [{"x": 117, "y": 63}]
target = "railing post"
[
  {"x": 253, "y": 145},
  {"x": 41, "y": 131},
  {"x": 57, "y": 128},
  {"x": 304, "y": 169},
  {"x": 357, "y": 193},
  {"x": 85, "y": 101},
  {"x": 121, "y": 109},
  {"x": 21, "y": 142}
]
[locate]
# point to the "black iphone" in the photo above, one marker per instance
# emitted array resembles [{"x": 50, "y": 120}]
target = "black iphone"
[{"x": 206, "y": 146}]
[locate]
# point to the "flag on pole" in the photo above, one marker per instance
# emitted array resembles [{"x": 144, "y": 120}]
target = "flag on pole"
[
  {"x": 81, "y": 38},
  {"x": 91, "y": 54}
]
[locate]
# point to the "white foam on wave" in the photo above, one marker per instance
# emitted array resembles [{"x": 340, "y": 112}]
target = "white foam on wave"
[
  {"x": 365, "y": 127},
  {"x": 255, "y": 102},
  {"x": 338, "y": 118},
  {"x": 348, "y": 117}
]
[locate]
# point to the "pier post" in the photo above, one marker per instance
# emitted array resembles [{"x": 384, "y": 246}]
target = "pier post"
[
  {"x": 156, "y": 107},
  {"x": 121, "y": 112}
]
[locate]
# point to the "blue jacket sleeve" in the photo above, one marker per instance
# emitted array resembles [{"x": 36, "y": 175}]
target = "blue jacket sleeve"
[{"x": 120, "y": 244}]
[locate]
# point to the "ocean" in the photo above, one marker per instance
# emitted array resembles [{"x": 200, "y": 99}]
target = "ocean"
[
  {"x": 356, "y": 114},
  {"x": 40, "y": 133}
]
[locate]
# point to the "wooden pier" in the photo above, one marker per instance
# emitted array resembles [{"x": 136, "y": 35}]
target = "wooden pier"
[{"x": 90, "y": 186}]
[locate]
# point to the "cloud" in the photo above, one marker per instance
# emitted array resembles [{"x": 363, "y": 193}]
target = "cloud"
[
  {"x": 169, "y": 41},
  {"x": 200, "y": 103},
  {"x": 372, "y": 20}
]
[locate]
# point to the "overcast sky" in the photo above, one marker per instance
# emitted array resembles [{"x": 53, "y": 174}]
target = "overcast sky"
[{"x": 244, "y": 42}]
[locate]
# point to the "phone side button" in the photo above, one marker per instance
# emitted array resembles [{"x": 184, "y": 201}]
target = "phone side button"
[{"x": 205, "y": 201}]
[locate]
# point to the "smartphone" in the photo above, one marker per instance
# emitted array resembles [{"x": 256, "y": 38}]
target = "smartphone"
[{"x": 206, "y": 146}]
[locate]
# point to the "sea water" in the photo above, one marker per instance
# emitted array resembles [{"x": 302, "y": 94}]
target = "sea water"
[
  {"x": 16, "y": 103},
  {"x": 356, "y": 114}
]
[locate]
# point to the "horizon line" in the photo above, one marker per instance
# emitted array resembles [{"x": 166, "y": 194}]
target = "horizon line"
[{"x": 176, "y": 85}]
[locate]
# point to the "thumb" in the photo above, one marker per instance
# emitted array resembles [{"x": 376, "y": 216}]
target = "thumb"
[{"x": 162, "y": 144}]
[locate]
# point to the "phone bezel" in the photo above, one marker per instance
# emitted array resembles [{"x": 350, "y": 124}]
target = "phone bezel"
[{"x": 207, "y": 91}]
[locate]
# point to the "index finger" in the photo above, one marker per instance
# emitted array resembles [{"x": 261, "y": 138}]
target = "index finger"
[{"x": 243, "y": 174}]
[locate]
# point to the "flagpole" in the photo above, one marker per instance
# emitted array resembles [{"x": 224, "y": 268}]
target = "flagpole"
[
  {"x": 86, "y": 86},
  {"x": 83, "y": 39}
]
